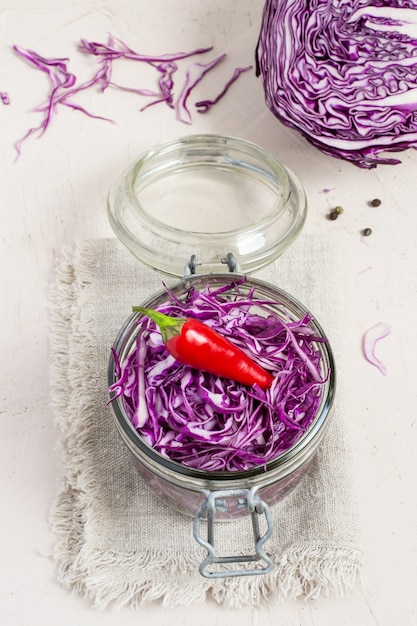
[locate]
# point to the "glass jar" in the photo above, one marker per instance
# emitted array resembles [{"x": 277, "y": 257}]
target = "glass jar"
[
  {"x": 194, "y": 201},
  {"x": 206, "y": 201}
]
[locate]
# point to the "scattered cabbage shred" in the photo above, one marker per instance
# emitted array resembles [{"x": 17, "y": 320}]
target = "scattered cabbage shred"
[
  {"x": 343, "y": 73},
  {"x": 64, "y": 86},
  {"x": 371, "y": 337},
  {"x": 210, "y": 423}
]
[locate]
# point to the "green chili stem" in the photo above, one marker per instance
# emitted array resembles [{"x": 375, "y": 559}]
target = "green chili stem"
[{"x": 169, "y": 326}]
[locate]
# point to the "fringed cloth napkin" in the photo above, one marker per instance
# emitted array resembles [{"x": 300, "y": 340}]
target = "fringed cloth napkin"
[{"x": 117, "y": 542}]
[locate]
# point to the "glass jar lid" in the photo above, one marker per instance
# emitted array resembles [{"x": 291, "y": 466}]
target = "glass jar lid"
[{"x": 190, "y": 205}]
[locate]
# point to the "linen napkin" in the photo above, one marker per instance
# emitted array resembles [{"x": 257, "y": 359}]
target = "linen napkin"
[{"x": 117, "y": 543}]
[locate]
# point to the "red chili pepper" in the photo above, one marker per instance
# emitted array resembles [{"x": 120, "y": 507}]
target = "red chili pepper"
[{"x": 195, "y": 344}]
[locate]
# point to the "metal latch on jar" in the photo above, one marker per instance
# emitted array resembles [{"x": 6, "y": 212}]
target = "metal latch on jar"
[
  {"x": 229, "y": 260},
  {"x": 215, "y": 503}
]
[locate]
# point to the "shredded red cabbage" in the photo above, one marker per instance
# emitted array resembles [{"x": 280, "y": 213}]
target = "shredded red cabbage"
[
  {"x": 210, "y": 423},
  {"x": 165, "y": 64},
  {"x": 194, "y": 74},
  {"x": 204, "y": 105},
  {"x": 5, "y": 97},
  {"x": 117, "y": 49},
  {"x": 63, "y": 86},
  {"x": 370, "y": 339},
  {"x": 343, "y": 73}
]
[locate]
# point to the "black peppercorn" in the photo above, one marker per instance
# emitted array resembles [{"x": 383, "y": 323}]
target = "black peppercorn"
[
  {"x": 334, "y": 213},
  {"x": 367, "y": 231},
  {"x": 376, "y": 202}
]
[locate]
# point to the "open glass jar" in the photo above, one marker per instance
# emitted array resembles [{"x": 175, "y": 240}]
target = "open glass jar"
[{"x": 215, "y": 201}]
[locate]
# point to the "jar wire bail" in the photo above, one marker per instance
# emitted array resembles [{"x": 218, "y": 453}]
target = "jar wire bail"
[{"x": 215, "y": 502}]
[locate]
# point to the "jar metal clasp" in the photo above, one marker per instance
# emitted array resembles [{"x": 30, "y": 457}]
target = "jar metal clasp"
[
  {"x": 246, "y": 499},
  {"x": 229, "y": 260}
]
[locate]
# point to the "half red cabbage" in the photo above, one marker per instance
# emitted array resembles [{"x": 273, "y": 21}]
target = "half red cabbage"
[
  {"x": 343, "y": 73},
  {"x": 214, "y": 424}
]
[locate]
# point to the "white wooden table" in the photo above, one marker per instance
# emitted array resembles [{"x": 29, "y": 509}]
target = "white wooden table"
[{"x": 57, "y": 192}]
